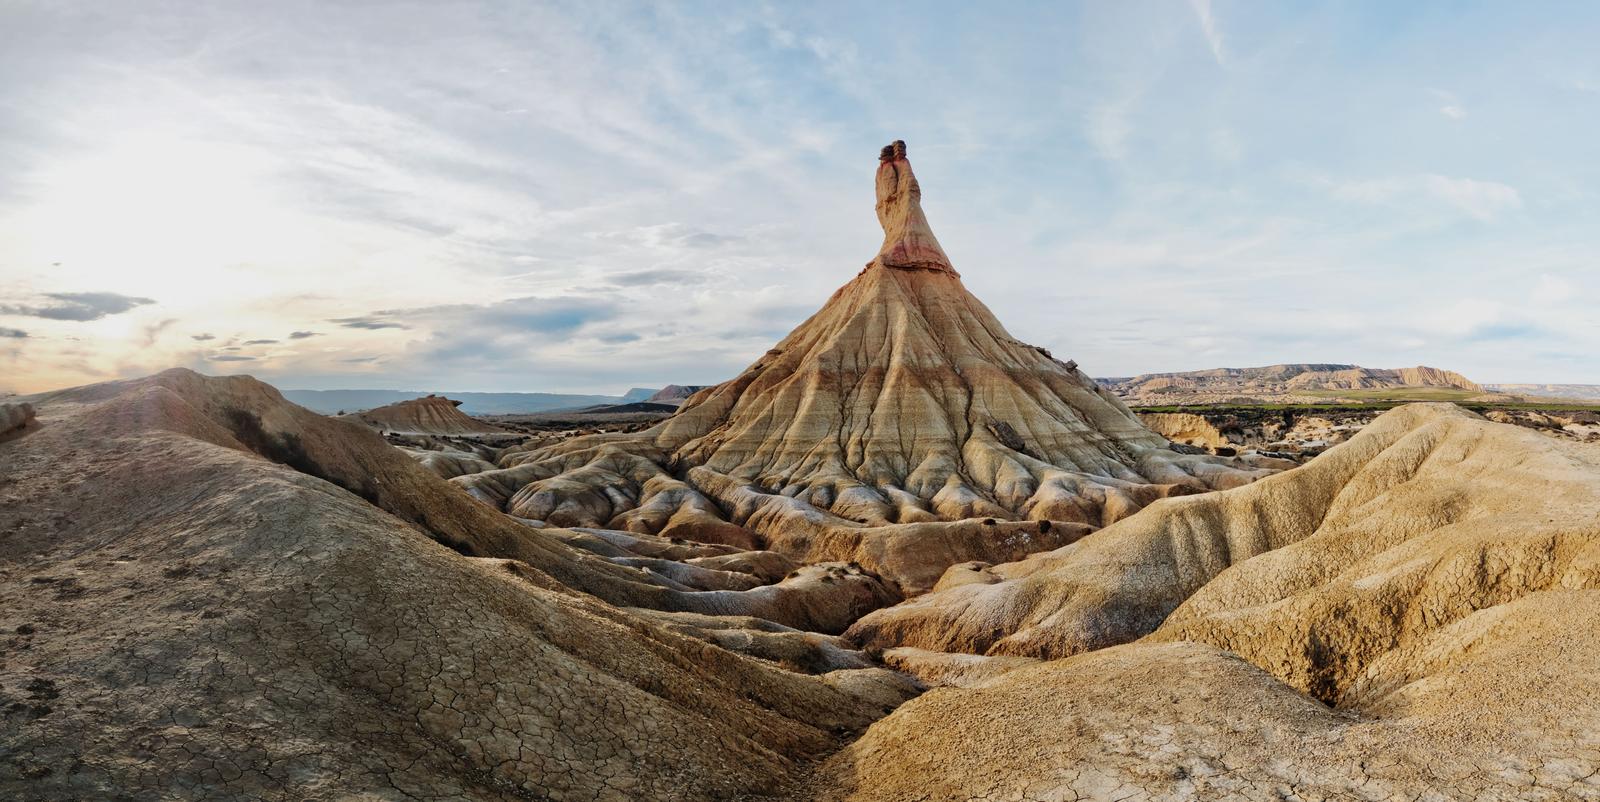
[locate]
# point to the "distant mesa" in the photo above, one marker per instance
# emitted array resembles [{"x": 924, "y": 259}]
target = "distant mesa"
[
  {"x": 675, "y": 394},
  {"x": 900, "y": 428},
  {"x": 330, "y": 402},
  {"x": 637, "y": 394},
  {"x": 429, "y": 415},
  {"x": 1577, "y": 392},
  {"x": 1293, "y": 382}
]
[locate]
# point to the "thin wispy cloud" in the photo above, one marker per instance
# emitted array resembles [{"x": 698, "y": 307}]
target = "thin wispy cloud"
[
  {"x": 76, "y": 306},
  {"x": 369, "y": 323},
  {"x": 1480, "y": 200},
  {"x": 1208, "y": 26}
]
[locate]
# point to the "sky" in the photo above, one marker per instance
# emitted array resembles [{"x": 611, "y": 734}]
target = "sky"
[{"x": 592, "y": 196}]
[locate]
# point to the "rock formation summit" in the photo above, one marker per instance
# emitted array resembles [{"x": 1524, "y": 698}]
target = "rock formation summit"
[{"x": 900, "y": 427}]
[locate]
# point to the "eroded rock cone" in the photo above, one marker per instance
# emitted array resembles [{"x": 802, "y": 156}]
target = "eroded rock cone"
[{"x": 900, "y": 427}]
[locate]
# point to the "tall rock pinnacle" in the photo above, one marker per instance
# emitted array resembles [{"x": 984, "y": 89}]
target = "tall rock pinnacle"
[
  {"x": 908, "y": 242},
  {"x": 900, "y": 427}
]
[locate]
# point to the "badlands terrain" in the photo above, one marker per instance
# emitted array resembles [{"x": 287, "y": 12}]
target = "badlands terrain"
[{"x": 901, "y": 556}]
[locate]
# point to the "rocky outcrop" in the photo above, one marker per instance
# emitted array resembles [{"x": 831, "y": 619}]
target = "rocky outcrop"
[
  {"x": 900, "y": 428},
  {"x": 1261, "y": 432},
  {"x": 14, "y": 415},
  {"x": 430, "y": 415},
  {"x": 1185, "y": 428}
]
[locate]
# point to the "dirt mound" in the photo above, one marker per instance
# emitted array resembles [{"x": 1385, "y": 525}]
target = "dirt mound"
[
  {"x": 1425, "y": 516},
  {"x": 1402, "y": 619},
  {"x": 900, "y": 427},
  {"x": 230, "y": 595},
  {"x": 427, "y": 415},
  {"x": 1500, "y": 706}
]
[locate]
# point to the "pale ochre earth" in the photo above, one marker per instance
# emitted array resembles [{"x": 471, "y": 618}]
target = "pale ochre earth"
[
  {"x": 901, "y": 557},
  {"x": 1409, "y": 616},
  {"x": 209, "y": 592}
]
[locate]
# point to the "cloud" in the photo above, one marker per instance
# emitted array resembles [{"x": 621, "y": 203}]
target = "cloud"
[
  {"x": 1551, "y": 290},
  {"x": 366, "y": 322},
  {"x": 78, "y": 306},
  {"x": 1208, "y": 27},
  {"x": 260, "y": 342},
  {"x": 1507, "y": 331},
  {"x": 530, "y": 314},
  {"x": 1450, "y": 104},
  {"x": 1108, "y": 129},
  {"x": 1481, "y": 200},
  {"x": 12, "y": 334},
  {"x": 231, "y": 358},
  {"x": 200, "y": 338},
  {"x": 638, "y": 278},
  {"x": 671, "y": 236},
  {"x": 301, "y": 335},
  {"x": 153, "y": 331}
]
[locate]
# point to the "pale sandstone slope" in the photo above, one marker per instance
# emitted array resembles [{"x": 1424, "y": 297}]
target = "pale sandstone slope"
[
  {"x": 240, "y": 412},
  {"x": 1500, "y": 706},
  {"x": 1399, "y": 530},
  {"x": 1410, "y": 616},
  {"x": 187, "y": 616},
  {"x": 900, "y": 427}
]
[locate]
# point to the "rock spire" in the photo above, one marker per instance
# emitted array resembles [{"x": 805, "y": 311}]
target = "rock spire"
[{"x": 908, "y": 241}]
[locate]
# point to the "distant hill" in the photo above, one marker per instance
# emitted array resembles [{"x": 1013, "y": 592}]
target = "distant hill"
[
  {"x": 638, "y": 394},
  {"x": 1576, "y": 392},
  {"x": 428, "y": 415},
  {"x": 675, "y": 394},
  {"x": 330, "y": 402},
  {"x": 1307, "y": 381}
]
